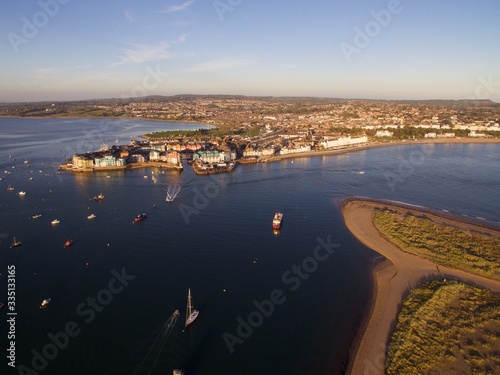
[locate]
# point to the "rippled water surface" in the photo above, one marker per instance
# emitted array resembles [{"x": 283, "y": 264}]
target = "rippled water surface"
[{"x": 215, "y": 238}]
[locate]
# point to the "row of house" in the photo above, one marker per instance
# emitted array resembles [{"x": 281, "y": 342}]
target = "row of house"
[
  {"x": 298, "y": 146},
  {"x": 215, "y": 156},
  {"x": 343, "y": 142},
  {"x": 96, "y": 160}
]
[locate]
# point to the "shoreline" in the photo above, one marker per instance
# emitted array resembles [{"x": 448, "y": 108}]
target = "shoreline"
[
  {"x": 105, "y": 118},
  {"x": 138, "y": 165},
  {"x": 378, "y": 145},
  {"x": 392, "y": 277}
]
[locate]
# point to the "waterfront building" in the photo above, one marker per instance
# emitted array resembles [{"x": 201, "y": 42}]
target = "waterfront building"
[
  {"x": 208, "y": 156},
  {"x": 154, "y": 155},
  {"x": 137, "y": 158},
  {"x": 82, "y": 162},
  {"x": 173, "y": 157},
  {"x": 109, "y": 161},
  {"x": 256, "y": 151},
  {"x": 295, "y": 149},
  {"x": 343, "y": 142}
]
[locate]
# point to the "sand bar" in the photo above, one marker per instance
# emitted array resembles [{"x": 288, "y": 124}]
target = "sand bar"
[{"x": 393, "y": 277}]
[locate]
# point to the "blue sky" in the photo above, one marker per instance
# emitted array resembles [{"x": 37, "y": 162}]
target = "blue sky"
[{"x": 390, "y": 49}]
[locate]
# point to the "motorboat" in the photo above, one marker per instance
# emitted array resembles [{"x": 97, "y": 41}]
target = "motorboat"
[{"x": 140, "y": 217}]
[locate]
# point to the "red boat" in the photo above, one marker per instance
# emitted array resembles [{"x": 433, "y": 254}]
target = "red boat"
[
  {"x": 277, "y": 220},
  {"x": 69, "y": 243},
  {"x": 140, "y": 217}
]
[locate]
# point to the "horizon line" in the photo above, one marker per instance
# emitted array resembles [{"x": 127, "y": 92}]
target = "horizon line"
[{"x": 248, "y": 96}]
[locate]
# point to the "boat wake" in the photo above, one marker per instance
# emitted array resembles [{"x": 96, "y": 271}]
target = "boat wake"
[
  {"x": 158, "y": 343},
  {"x": 172, "y": 191}
]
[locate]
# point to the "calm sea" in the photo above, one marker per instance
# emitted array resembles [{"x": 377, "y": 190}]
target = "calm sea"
[{"x": 115, "y": 289}]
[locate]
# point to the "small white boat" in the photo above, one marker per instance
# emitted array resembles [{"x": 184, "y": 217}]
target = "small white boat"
[
  {"x": 15, "y": 243},
  {"x": 92, "y": 216},
  {"x": 22, "y": 193},
  {"x": 178, "y": 372},
  {"x": 45, "y": 302},
  {"x": 55, "y": 222},
  {"x": 10, "y": 188},
  {"x": 99, "y": 197},
  {"x": 37, "y": 216}
]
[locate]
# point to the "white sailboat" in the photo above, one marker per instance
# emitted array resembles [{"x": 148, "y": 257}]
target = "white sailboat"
[
  {"x": 15, "y": 243},
  {"x": 191, "y": 315}
]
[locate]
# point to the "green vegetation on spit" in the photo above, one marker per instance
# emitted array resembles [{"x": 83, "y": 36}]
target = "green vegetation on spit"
[
  {"x": 468, "y": 250},
  {"x": 200, "y": 133},
  {"x": 446, "y": 327}
]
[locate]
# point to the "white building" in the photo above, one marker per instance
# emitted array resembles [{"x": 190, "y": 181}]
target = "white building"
[
  {"x": 294, "y": 150},
  {"x": 384, "y": 133},
  {"x": 343, "y": 142}
]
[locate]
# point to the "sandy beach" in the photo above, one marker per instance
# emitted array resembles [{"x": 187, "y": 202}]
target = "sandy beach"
[{"x": 393, "y": 275}]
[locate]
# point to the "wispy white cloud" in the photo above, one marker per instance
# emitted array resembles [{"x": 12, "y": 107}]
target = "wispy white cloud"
[
  {"x": 129, "y": 16},
  {"x": 221, "y": 64},
  {"x": 139, "y": 53},
  {"x": 179, "y": 7}
]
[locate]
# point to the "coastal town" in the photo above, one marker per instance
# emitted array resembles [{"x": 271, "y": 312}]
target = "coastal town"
[
  {"x": 207, "y": 154},
  {"x": 262, "y": 129},
  {"x": 250, "y": 115}
]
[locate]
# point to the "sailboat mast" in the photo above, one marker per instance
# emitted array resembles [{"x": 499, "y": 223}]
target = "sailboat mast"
[{"x": 189, "y": 307}]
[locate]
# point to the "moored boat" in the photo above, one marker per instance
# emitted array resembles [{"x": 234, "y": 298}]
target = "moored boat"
[
  {"x": 178, "y": 372},
  {"x": 69, "y": 243},
  {"x": 277, "y": 220},
  {"x": 55, "y": 222},
  {"x": 15, "y": 243},
  {"x": 191, "y": 315},
  {"x": 140, "y": 217},
  {"x": 37, "y": 216},
  {"x": 10, "y": 188},
  {"x": 22, "y": 193},
  {"x": 91, "y": 216},
  {"x": 99, "y": 197},
  {"x": 45, "y": 302}
]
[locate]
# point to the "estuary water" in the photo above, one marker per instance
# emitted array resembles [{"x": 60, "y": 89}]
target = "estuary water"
[{"x": 286, "y": 303}]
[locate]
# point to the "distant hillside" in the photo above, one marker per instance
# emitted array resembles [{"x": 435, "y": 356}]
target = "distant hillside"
[{"x": 289, "y": 99}]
